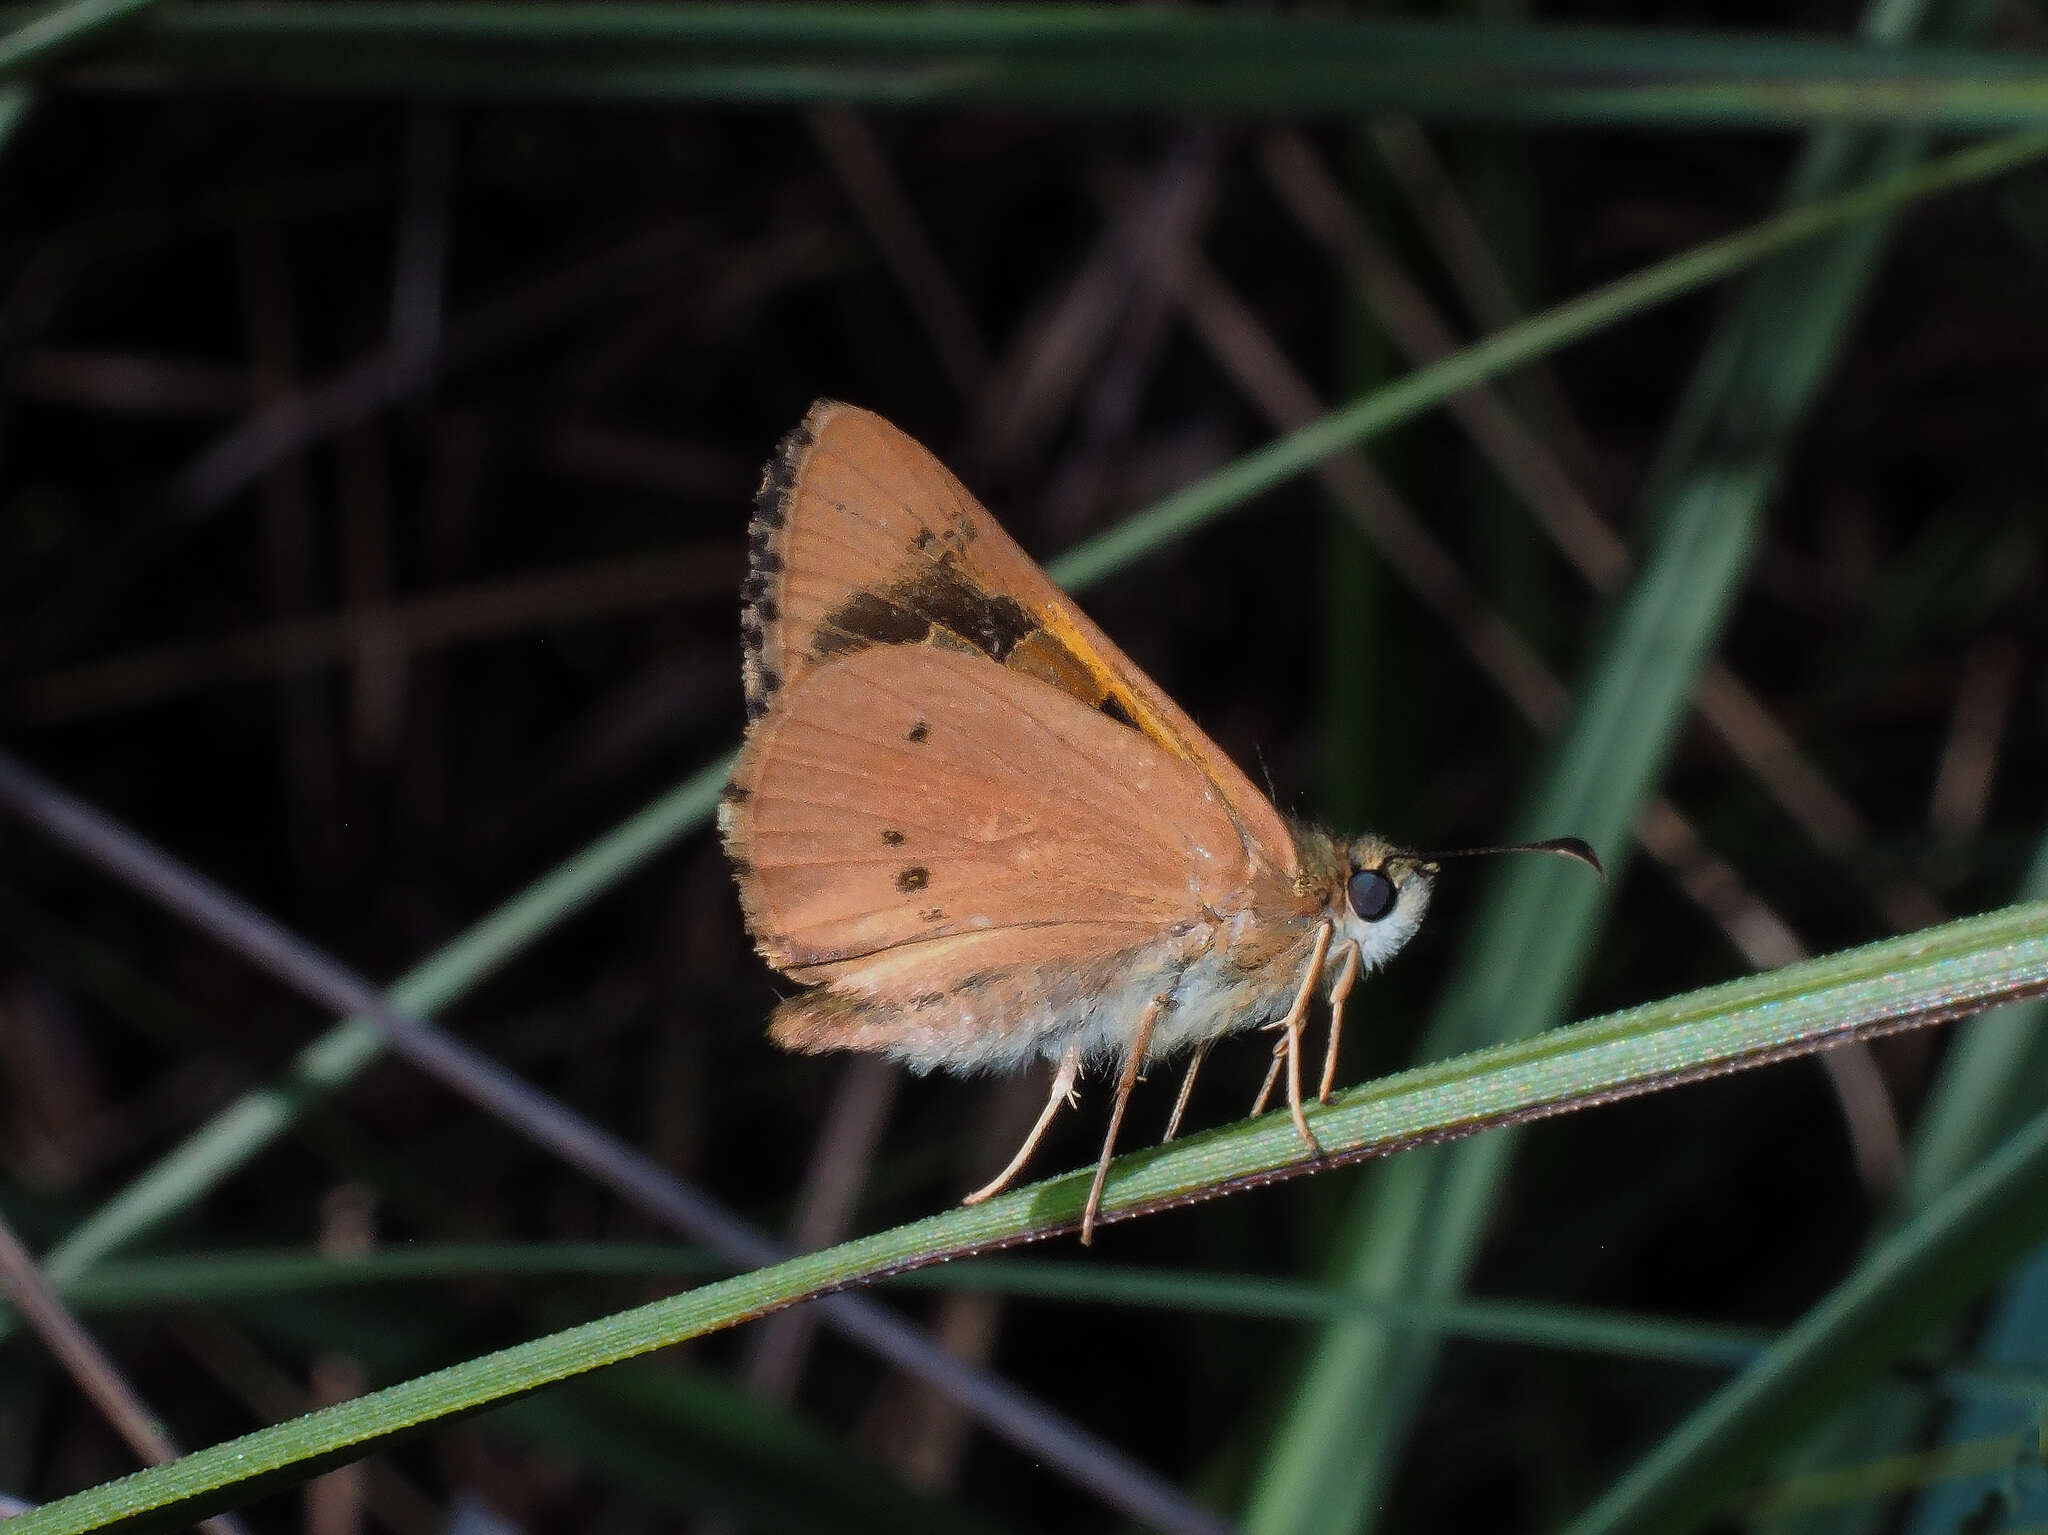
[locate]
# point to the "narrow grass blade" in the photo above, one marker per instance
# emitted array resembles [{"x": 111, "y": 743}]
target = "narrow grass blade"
[
  {"x": 32, "y": 42},
  {"x": 228, "y": 1278},
  {"x": 1869, "y": 1483},
  {"x": 1414, "y": 1229},
  {"x": 240, "y": 1278},
  {"x": 222, "y": 1278},
  {"x": 1938, "y": 974},
  {"x": 16, "y": 102},
  {"x": 1083, "y": 58}
]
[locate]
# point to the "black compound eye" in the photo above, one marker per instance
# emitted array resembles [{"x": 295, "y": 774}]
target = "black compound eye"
[{"x": 1371, "y": 893}]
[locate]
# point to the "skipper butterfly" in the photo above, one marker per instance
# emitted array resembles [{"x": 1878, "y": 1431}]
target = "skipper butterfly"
[{"x": 981, "y": 836}]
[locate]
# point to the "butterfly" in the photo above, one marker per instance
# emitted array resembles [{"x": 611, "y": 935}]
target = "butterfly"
[{"x": 980, "y": 836}]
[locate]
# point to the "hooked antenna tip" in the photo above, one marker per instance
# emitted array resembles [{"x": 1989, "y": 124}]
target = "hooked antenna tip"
[{"x": 1564, "y": 847}]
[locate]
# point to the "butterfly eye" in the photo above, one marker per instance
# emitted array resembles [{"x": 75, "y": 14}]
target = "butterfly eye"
[{"x": 1371, "y": 893}]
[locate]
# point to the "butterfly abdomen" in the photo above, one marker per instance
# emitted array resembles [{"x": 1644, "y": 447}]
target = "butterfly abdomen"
[{"x": 994, "y": 1020}]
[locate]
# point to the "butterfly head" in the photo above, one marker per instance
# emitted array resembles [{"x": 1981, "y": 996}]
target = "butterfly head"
[
  {"x": 1380, "y": 897},
  {"x": 1375, "y": 894}
]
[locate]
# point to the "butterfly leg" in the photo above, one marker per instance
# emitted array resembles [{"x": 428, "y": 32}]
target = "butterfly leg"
[
  {"x": 1187, "y": 1088},
  {"x": 1288, "y": 1050},
  {"x": 1347, "y": 974},
  {"x": 1062, "y": 1086},
  {"x": 1272, "y": 1076},
  {"x": 1134, "y": 1058}
]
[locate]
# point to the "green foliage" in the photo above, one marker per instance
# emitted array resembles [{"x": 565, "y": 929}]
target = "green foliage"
[{"x": 1939, "y": 1262}]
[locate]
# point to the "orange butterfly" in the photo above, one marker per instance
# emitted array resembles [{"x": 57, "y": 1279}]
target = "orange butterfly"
[{"x": 983, "y": 836}]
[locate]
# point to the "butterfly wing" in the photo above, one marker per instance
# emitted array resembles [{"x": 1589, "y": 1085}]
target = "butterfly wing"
[
  {"x": 862, "y": 539},
  {"x": 906, "y": 794},
  {"x": 967, "y": 858}
]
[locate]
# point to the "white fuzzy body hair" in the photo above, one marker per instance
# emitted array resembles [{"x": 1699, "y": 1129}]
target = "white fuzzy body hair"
[
  {"x": 1100, "y": 1008},
  {"x": 1210, "y": 992},
  {"x": 1379, "y": 941}
]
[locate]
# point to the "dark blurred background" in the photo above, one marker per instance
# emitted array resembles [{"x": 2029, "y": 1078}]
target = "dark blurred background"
[{"x": 373, "y": 483}]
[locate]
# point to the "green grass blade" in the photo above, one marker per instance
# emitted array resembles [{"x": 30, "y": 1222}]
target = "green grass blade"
[
  {"x": 1941, "y": 973},
  {"x": 1085, "y": 58},
  {"x": 239, "y": 1278},
  {"x": 16, "y": 102},
  {"x": 1868, "y": 1482},
  {"x": 1529, "y": 1324},
  {"x": 228, "y": 1278},
  {"x": 219, "y": 1278},
  {"x": 1415, "y": 1226},
  {"x": 31, "y": 42}
]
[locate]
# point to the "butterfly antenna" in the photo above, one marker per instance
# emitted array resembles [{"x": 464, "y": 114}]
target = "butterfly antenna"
[
  {"x": 1563, "y": 847},
  {"x": 1266, "y": 768}
]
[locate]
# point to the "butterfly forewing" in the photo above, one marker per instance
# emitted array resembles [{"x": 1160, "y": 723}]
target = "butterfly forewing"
[{"x": 862, "y": 539}]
